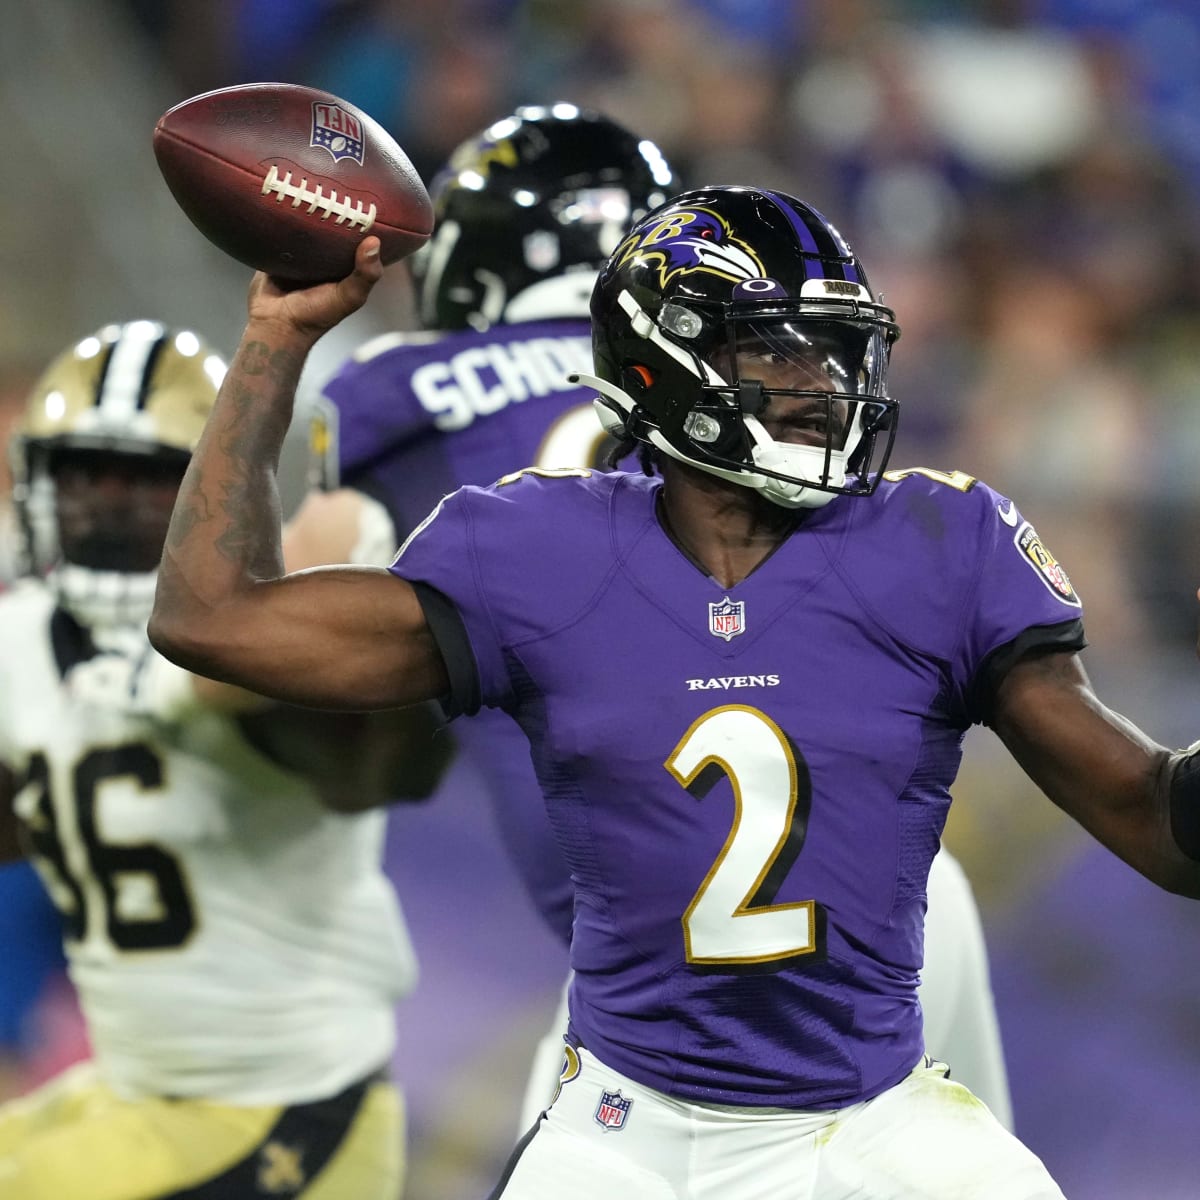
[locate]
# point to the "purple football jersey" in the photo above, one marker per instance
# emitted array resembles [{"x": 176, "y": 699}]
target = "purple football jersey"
[
  {"x": 748, "y": 783},
  {"x": 419, "y": 416}
]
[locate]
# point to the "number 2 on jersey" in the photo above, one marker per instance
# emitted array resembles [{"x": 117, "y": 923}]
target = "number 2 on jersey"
[{"x": 731, "y": 919}]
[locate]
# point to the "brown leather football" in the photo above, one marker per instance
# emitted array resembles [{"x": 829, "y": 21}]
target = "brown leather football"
[{"x": 288, "y": 179}]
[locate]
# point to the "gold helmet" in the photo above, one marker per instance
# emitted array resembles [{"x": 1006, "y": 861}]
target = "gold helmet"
[{"x": 136, "y": 388}]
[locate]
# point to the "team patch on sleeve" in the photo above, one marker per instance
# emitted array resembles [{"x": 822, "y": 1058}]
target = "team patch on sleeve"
[{"x": 1047, "y": 567}]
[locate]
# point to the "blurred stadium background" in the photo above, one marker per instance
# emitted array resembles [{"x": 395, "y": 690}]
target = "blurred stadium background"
[{"x": 1021, "y": 176}]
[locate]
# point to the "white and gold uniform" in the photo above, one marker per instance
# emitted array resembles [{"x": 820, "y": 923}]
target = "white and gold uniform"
[{"x": 236, "y": 947}]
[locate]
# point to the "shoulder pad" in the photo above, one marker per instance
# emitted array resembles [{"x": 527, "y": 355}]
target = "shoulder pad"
[{"x": 960, "y": 481}]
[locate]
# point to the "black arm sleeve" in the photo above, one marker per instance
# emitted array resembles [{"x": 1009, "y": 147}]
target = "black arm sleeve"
[
  {"x": 1185, "y": 805},
  {"x": 1037, "y": 639},
  {"x": 446, "y": 625},
  {"x": 465, "y": 698}
]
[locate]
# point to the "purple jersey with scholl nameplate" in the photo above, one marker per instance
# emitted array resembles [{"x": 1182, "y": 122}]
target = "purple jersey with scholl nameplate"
[
  {"x": 421, "y": 414},
  {"x": 748, "y": 783}
]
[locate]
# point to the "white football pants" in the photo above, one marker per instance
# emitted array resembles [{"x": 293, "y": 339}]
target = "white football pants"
[{"x": 927, "y": 1138}]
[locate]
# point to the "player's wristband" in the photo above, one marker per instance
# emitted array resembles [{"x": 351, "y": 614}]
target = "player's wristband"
[{"x": 1185, "y": 803}]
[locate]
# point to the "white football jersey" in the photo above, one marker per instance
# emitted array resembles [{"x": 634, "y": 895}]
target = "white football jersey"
[{"x": 229, "y": 937}]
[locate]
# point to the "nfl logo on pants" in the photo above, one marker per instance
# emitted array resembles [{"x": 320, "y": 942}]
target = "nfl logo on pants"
[{"x": 612, "y": 1110}]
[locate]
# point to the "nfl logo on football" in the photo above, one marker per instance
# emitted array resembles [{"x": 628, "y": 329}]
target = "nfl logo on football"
[
  {"x": 612, "y": 1110},
  {"x": 727, "y": 618},
  {"x": 337, "y": 131}
]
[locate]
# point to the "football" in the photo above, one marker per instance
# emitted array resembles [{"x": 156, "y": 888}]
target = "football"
[{"x": 288, "y": 179}]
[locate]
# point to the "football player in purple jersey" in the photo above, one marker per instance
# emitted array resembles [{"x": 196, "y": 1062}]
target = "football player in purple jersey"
[
  {"x": 745, "y": 678},
  {"x": 528, "y": 211}
]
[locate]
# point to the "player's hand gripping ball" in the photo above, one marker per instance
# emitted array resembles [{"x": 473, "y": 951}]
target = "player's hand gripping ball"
[{"x": 288, "y": 179}]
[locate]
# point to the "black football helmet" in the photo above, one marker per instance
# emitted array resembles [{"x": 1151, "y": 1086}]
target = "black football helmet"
[
  {"x": 527, "y": 212},
  {"x": 732, "y": 306}
]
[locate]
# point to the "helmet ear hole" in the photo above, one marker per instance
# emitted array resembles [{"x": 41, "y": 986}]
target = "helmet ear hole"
[{"x": 637, "y": 378}]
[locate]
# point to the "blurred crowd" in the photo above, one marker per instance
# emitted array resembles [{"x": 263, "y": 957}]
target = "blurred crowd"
[
  {"x": 1020, "y": 175},
  {"x": 1022, "y": 178}
]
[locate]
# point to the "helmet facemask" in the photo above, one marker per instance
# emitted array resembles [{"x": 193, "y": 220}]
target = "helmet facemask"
[
  {"x": 113, "y": 507},
  {"x": 807, "y": 394},
  {"x": 98, "y": 557}
]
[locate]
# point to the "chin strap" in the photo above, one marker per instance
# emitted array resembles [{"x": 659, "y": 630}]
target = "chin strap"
[{"x": 794, "y": 460}]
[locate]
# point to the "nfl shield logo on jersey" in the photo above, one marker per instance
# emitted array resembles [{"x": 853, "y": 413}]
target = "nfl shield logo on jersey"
[
  {"x": 727, "y": 618},
  {"x": 612, "y": 1110}
]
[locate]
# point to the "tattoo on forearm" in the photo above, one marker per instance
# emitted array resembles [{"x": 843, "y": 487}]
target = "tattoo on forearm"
[
  {"x": 250, "y": 536},
  {"x": 191, "y": 511},
  {"x": 238, "y": 482},
  {"x": 259, "y": 359},
  {"x": 254, "y": 358}
]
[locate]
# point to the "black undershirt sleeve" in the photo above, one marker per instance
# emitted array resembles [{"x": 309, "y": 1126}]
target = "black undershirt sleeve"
[
  {"x": 446, "y": 624},
  {"x": 465, "y": 696},
  {"x": 1185, "y": 805},
  {"x": 1037, "y": 639}
]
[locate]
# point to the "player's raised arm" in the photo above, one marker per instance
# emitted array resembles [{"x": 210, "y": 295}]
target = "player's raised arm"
[
  {"x": 1135, "y": 796},
  {"x": 334, "y": 637}
]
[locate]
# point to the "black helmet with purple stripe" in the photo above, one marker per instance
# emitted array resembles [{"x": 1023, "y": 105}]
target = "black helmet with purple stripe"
[{"x": 735, "y": 306}]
